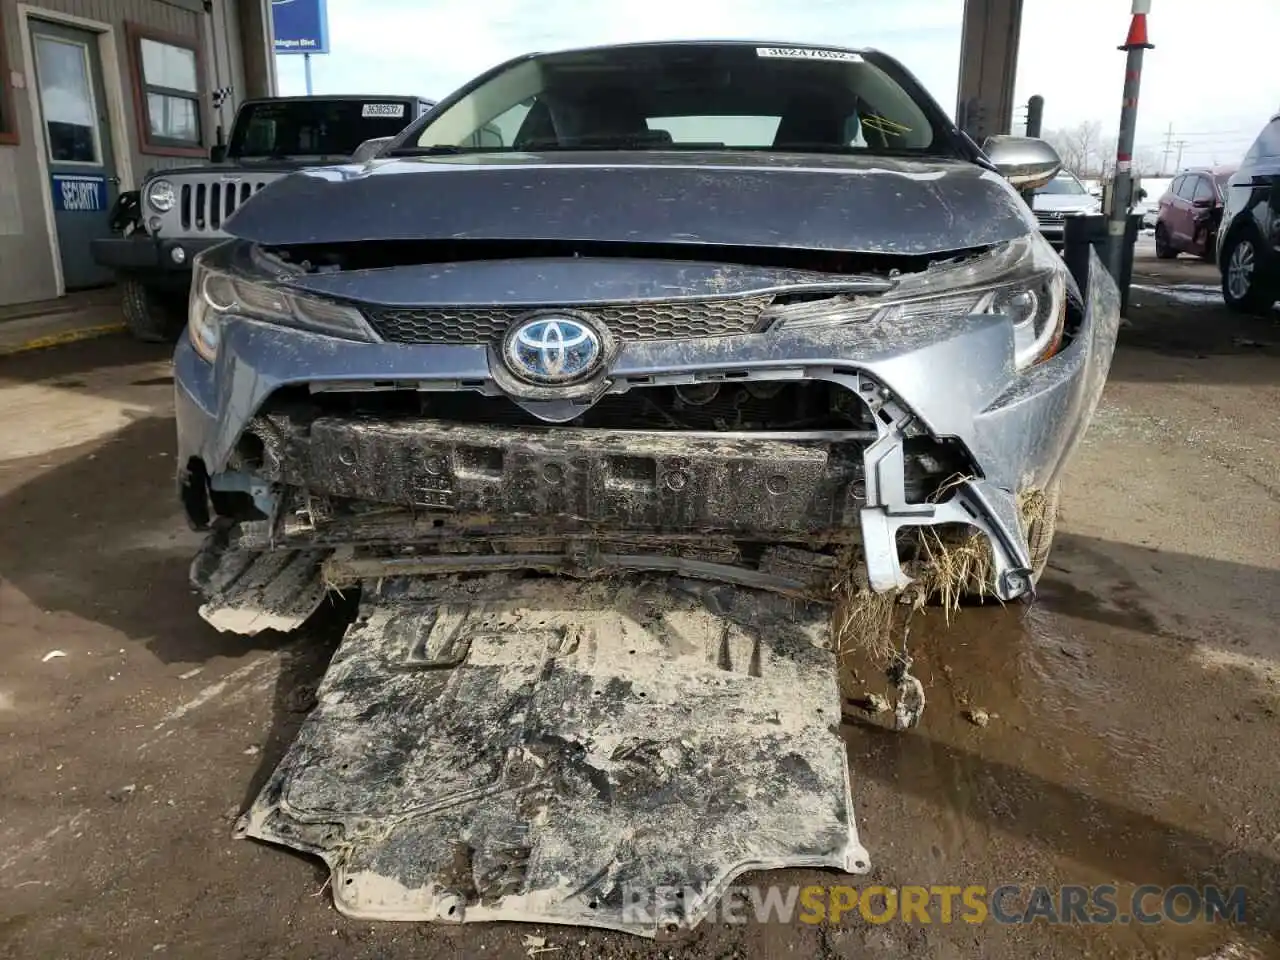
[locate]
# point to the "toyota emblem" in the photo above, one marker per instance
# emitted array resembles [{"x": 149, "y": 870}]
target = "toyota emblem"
[{"x": 552, "y": 348}]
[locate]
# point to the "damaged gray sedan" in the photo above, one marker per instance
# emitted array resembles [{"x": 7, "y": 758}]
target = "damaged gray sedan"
[{"x": 601, "y": 416}]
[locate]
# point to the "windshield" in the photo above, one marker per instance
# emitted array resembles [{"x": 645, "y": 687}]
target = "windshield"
[
  {"x": 304, "y": 128},
  {"x": 687, "y": 96},
  {"x": 1063, "y": 184}
]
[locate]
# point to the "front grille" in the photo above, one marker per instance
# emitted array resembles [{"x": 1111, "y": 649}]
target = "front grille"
[
  {"x": 206, "y": 205},
  {"x": 1050, "y": 217},
  {"x": 664, "y": 320}
]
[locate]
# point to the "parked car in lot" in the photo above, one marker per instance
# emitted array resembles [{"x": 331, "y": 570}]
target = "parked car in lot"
[
  {"x": 760, "y": 317},
  {"x": 671, "y": 244},
  {"x": 1063, "y": 196},
  {"x": 1248, "y": 251},
  {"x": 1190, "y": 211},
  {"x": 179, "y": 212}
]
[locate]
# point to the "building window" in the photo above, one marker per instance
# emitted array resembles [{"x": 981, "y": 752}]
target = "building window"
[
  {"x": 8, "y": 119},
  {"x": 66, "y": 100},
  {"x": 166, "y": 78}
]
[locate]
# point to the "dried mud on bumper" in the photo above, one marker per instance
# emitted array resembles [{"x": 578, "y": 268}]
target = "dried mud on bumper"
[{"x": 544, "y": 750}]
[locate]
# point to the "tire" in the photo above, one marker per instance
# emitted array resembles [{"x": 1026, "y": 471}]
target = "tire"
[
  {"x": 1243, "y": 289},
  {"x": 1163, "y": 249},
  {"x": 1041, "y": 530},
  {"x": 153, "y": 316}
]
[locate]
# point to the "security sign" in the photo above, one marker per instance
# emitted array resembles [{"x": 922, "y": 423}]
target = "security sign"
[{"x": 77, "y": 193}]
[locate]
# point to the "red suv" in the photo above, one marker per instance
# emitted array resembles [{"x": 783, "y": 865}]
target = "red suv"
[{"x": 1190, "y": 212}]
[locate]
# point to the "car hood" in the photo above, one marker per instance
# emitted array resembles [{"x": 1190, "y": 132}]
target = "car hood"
[
  {"x": 241, "y": 169},
  {"x": 864, "y": 204}
]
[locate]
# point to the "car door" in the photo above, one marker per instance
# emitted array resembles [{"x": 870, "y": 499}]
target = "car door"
[
  {"x": 1204, "y": 199},
  {"x": 1168, "y": 207},
  {"x": 78, "y": 144},
  {"x": 1180, "y": 222}
]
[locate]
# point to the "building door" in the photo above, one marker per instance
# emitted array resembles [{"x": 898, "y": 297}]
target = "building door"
[{"x": 78, "y": 139}]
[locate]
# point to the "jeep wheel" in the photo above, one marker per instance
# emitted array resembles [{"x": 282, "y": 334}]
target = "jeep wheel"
[
  {"x": 1163, "y": 250},
  {"x": 1242, "y": 287},
  {"x": 153, "y": 316}
]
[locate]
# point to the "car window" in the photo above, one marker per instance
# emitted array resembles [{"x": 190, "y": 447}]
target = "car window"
[
  {"x": 1188, "y": 186},
  {"x": 1063, "y": 183},
  {"x": 726, "y": 131},
  {"x": 315, "y": 127},
  {"x": 1175, "y": 186},
  {"x": 1268, "y": 143},
  {"x": 1204, "y": 189},
  {"x": 734, "y": 96}
]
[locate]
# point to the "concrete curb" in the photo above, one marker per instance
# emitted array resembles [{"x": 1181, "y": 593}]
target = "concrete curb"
[{"x": 61, "y": 338}]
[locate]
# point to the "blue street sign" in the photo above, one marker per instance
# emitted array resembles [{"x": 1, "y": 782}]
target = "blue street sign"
[
  {"x": 300, "y": 26},
  {"x": 78, "y": 193}
]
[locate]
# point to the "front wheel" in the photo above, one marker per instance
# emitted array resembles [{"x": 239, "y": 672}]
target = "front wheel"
[
  {"x": 1164, "y": 250},
  {"x": 1243, "y": 287},
  {"x": 152, "y": 315}
]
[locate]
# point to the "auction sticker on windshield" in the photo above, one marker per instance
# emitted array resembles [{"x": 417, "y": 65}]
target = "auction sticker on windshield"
[
  {"x": 804, "y": 53},
  {"x": 383, "y": 110}
]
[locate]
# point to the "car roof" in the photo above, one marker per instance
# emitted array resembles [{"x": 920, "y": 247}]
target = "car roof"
[
  {"x": 650, "y": 44},
  {"x": 339, "y": 96},
  {"x": 1219, "y": 171}
]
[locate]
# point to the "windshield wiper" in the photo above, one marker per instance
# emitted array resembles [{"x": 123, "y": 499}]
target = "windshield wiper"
[{"x": 439, "y": 150}]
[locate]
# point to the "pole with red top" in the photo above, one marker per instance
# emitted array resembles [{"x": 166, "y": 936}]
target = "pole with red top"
[{"x": 1122, "y": 184}]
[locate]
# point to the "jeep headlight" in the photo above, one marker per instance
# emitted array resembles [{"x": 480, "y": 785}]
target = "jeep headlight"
[
  {"x": 1023, "y": 279},
  {"x": 217, "y": 293},
  {"x": 161, "y": 196}
]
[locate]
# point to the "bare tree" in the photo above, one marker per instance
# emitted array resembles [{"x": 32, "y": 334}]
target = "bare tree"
[
  {"x": 1066, "y": 146},
  {"x": 1147, "y": 162},
  {"x": 1083, "y": 149}
]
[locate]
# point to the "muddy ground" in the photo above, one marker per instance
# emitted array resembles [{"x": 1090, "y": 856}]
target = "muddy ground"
[{"x": 1133, "y": 710}]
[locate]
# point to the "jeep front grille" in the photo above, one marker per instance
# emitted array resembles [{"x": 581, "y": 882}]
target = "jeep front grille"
[
  {"x": 205, "y": 205},
  {"x": 663, "y": 320}
]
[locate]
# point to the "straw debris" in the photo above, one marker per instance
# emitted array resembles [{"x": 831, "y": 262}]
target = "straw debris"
[{"x": 951, "y": 563}]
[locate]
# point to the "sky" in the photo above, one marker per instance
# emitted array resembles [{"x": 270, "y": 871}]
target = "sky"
[{"x": 1211, "y": 75}]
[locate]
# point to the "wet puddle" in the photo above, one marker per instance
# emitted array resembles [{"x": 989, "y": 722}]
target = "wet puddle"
[{"x": 1112, "y": 755}]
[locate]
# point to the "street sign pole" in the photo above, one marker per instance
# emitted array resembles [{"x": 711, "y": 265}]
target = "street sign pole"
[
  {"x": 1122, "y": 183},
  {"x": 300, "y": 26}
]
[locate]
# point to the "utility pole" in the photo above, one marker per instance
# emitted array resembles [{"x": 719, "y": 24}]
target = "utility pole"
[
  {"x": 1135, "y": 45},
  {"x": 1180, "y": 144},
  {"x": 1168, "y": 148}
]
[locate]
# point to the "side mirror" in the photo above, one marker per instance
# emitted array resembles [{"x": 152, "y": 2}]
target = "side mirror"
[
  {"x": 1025, "y": 162},
  {"x": 1203, "y": 203},
  {"x": 370, "y": 149},
  {"x": 217, "y": 153}
]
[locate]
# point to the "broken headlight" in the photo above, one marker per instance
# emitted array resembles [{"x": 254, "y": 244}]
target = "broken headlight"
[
  {"x": 1024, "y": 280},
  {"x": 216, "y": 294}
]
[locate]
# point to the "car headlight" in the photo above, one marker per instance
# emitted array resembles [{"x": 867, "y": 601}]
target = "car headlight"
[
  {"x": 216, "y": 293},
  {"x": 1023, "y": 279},
  {"x": 161, "y": 196}
]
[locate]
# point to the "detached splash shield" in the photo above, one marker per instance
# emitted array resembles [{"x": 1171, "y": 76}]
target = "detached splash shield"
[{"x": 539, "y": 749}]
